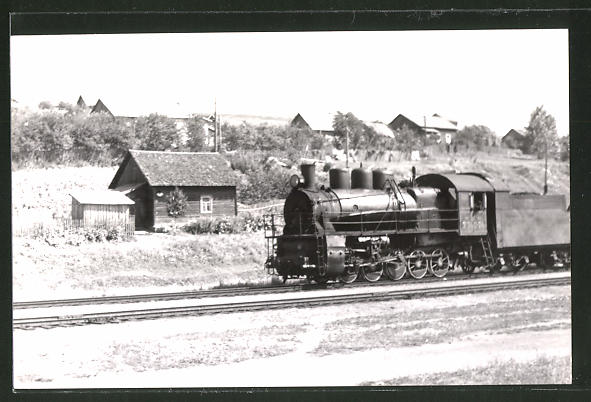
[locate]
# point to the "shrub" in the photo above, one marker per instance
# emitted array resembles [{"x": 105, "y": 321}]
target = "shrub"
[
  {"x": 176, "y": 203},
  {"x": 225, "y": 225},
  {"x": 58, "y": 236}
]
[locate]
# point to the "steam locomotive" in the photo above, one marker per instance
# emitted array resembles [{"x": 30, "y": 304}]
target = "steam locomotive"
[{"x": 365, "y": 224}]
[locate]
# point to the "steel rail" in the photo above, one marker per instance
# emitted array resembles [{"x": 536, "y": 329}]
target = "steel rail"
[
  {"x": 240, "y": 291},
  {"x": 154, "y": 313}
]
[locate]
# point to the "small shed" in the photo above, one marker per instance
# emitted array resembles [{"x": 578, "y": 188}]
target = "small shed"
[
  {"x": 149, "y": 178},
  {"x": 101, "y": 208}
]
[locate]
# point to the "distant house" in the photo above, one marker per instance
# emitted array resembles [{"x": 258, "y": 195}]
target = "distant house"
[
  {"x": 321, "y": 124},
  {"x": 513, "y": 139},
  {"x": 434, "y": 125},
  {"x": 148, "y": 177},
  {"x": 100, "y": 107},
  {"x": 101, "y": 208},
  {"x": 81, "y": 104}
]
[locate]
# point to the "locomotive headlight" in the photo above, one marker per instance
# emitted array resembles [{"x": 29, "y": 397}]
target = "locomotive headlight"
[{"x": 294, "y": 181}]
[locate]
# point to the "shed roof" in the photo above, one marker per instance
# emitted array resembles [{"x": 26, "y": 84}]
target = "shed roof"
[
  {"x": 106, "y": 197},
  {"x": 180, "y": 168},
  {"x": 461, "y": 182}
]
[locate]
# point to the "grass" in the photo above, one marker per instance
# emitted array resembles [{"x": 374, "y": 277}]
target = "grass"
[
  {"x": 151, "y": 261},
  {"x": 416, "y": 328},
  {"x": 543, "y": 370}
]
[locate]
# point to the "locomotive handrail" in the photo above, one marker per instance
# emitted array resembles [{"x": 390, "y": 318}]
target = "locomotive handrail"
[{"x": 435, "y": 221}]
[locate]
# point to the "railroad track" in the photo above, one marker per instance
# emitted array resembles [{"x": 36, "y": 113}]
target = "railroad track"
[
  {"x": 154, "y": 313},
  {"x": 234, "y": 291}
]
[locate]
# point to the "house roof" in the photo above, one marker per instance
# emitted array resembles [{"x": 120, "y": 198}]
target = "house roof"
[
  {"x": 514, "y": 132},
  {"x": 180, "y": 168},
  {"x": 435, "y": 121},
  {"x": 381, "y": 128},
  {"x": 318, "y": 121},
  {"x": 107, "y": 197},
  {"x": 100, "y": 107}
]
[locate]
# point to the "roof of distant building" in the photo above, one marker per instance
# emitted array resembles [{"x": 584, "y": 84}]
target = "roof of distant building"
[
  {"x": 107, "y": 197},
  {"x": 318, "y": 121},
  {"x": 380, "y": 128},
  {"x": 434, "y": 121},
  {"x": 180, "y": 168}
]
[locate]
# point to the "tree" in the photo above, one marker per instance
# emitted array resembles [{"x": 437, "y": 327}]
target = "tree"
[
  {"x": 176, "y": 203},
  {"x": 408, "y": 140},
  {"x": 196, "y": 140},
  {"x": 45, "y": 135},
  {"x": 45, "y": 105},
  {"x": 157, "y": 133},
  {"x": 564, "y": 148},
  {"x": 359, "y": 133},
  {"x": 475, "y": 136},
  {"x": 540, "y": 134}
]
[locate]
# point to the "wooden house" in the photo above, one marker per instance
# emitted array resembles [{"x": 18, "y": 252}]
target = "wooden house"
[
  {"x": 430, "y": 126},
  {"x": 100, "y": 107},
  {"x": 320, "y": 123},
  {"x": 513, "y": 139},
  {"x": 149, "y": 177},
  {"x": 100, "y": 208}
]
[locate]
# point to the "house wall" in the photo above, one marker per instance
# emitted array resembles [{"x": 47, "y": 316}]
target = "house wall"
[
  {"x": 299, "y": 122},
  {"x": 224, "y": 203},
  {"x": 109, "y": 215},
  {"x": 76, "y": 210},
  {"x": 131, "y": 174},
  {"x": 513, "y": 140},
  {"x": 143, "y": 210}
]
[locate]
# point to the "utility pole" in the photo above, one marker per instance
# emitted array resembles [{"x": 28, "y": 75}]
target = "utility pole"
[
  {"x": 545, "y": 164},
  {"x": 347, "y": 146},
  {"x": 220, "y": 132},
  {"x": 215, "y": 125}
]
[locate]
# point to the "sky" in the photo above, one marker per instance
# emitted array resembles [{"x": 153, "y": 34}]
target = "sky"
[{"x": 494, "y": 78}]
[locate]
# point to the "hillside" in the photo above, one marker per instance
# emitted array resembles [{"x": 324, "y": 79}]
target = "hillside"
[{"x": 43, "y": 193}]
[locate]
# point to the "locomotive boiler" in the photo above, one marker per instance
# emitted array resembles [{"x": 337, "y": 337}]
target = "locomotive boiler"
[{"x": 365, "y": 224}]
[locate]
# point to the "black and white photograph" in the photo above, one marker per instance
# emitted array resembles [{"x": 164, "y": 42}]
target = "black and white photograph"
[{"x": 291, "y": 209}]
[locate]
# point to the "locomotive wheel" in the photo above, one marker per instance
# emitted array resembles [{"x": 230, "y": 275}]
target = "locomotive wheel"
[
  {"x": 417, "y": 264},
  {"x": 349, "y": 276},
  {"x": 467, "y": 265},
  {"x": 321, "y": 280},
  {"x": 395, "y": 269},
  {"x": 372, "y": 273},
  {"x": 439, "y": 263},
  {"x": 520, "y": 263}
]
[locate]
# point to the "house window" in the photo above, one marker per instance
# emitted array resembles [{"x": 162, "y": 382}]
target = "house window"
[{"x": 206, "y": 204}]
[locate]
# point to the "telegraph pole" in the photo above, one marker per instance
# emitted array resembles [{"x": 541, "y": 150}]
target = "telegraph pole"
[
  {"x": 215, "y": 125},
  {"x": 347, "y": 146},
  {"x": 545, "y": 164}
]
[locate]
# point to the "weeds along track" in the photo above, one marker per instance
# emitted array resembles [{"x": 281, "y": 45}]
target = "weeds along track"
[
  {"x": 233, "y": 291},
  {"x": 268, "y": 304}
]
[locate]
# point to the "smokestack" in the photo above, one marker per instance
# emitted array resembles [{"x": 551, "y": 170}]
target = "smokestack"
[{"x": 309, "y": 173}]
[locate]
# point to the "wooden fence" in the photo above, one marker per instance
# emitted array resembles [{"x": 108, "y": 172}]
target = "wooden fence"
[{"x": 23, "y": 227}]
